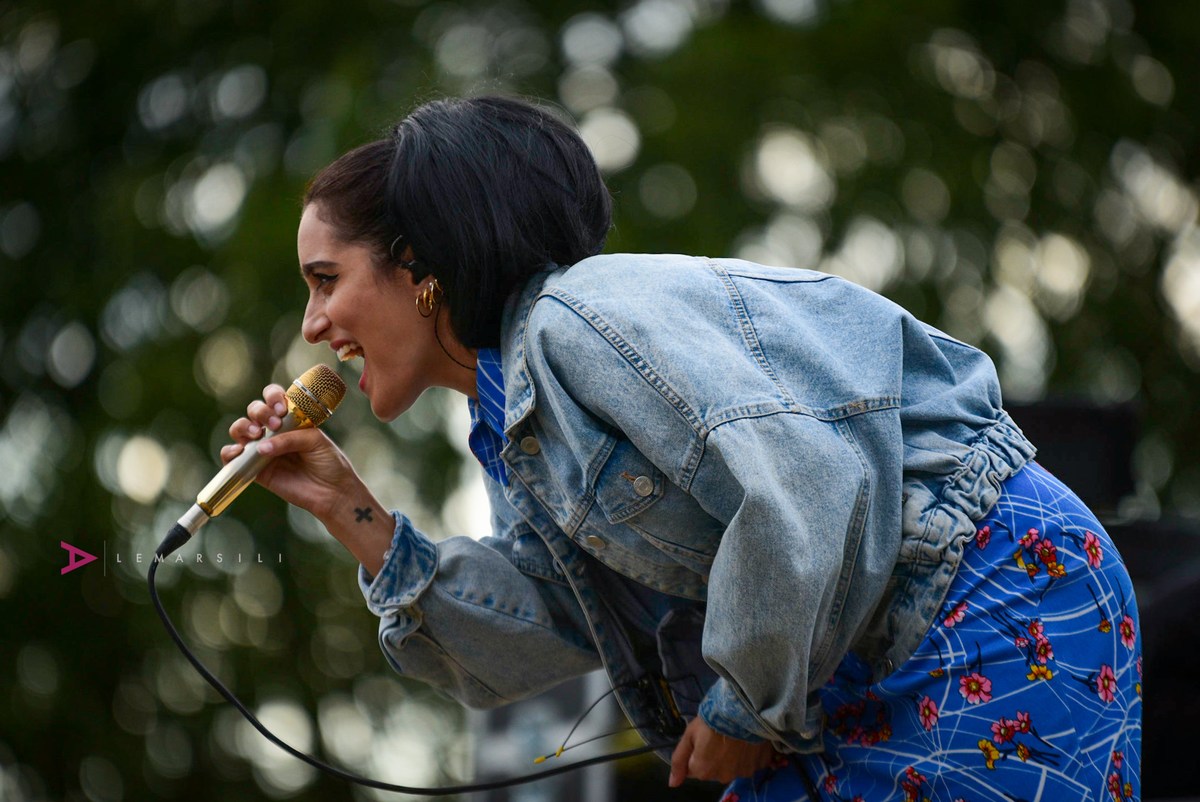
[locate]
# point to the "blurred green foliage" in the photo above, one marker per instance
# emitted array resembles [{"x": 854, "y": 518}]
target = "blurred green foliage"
[{"x": 1022, "y": 175}]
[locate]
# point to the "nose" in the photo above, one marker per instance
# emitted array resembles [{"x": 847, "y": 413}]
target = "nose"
[{"x": 315, "y": 323}]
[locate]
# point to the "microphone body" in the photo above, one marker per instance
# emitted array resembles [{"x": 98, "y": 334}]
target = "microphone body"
[
  {"x": 240, "y": 471},
  {"x": 311, "y": 400}
]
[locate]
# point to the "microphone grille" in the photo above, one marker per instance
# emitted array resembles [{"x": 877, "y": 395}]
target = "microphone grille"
[{"x": 317, "y": 393}]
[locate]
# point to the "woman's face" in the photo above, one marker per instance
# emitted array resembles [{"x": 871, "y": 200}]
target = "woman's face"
[{"x": 363, "y": 314}]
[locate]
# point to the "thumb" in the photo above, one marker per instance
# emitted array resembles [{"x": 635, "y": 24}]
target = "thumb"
[
  {"x": 291, "y": 442},
  {"x": 680, "y": 758}
]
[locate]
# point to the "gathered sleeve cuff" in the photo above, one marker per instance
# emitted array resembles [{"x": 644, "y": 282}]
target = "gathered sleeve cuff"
[{"x": 408, "y": 569}]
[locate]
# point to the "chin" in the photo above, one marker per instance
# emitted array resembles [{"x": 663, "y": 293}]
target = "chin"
[
  {"x": 386, "y": 412},
  {"x": 388, "y": 409}
]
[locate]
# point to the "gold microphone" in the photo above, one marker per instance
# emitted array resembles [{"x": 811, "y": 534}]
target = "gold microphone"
[{"x": 311, "y": 399}]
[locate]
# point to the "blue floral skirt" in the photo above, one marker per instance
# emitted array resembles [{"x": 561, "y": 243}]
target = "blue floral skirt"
[{"x": 1027, "y": 688}]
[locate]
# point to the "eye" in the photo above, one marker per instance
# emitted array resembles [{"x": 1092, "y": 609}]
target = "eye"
[{"x": 323, "y": 279}]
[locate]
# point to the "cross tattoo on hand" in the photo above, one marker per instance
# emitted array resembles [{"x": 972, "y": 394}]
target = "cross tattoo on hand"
[{"x": 363, "y": 513}]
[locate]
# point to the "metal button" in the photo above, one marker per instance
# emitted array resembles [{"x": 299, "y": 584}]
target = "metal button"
[
  {"x": 643, "y": 485},
  {"x": 595, "y": 542},
  {"x": 530, "y": 445}
]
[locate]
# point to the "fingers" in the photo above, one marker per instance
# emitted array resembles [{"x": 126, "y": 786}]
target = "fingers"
[
  {"x": 270, "y": 410},
  {"x": 294, "y": 442},
  {"x": 680, "y": 759},
  {"x": 260, "y": 416},
  {"x": 230, "y": 451},
  {"x": 704, "y": 754},
  {"x": 291, "y": 442}
]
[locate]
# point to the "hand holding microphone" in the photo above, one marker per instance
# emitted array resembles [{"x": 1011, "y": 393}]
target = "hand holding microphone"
[
  {"x": 305, "y": 467},
  {"x": 278, "y": 444},
  {"x": 300, "y": 409}
]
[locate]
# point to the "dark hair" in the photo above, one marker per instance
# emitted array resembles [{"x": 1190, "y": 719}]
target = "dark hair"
[
  {"x": 352, "y": 192},
  {"x": 487, "y": 191}
]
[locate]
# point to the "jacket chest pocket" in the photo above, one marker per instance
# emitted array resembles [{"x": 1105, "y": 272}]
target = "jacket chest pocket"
[{"x": 659, "y": 520}]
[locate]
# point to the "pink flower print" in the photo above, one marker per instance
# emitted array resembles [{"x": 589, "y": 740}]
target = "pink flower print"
[
  {"x": 1128, "y": 632},
  {"x": 1106, "y": 683},
  {"x": 975, "y": 688},
  {"x": 1023, "y": 723},
  {"x": 983, "y": 537},
  {"x": 912, "y": 784},
  {"x": 928, "y": 710},
  {"x": 1029, "y": 539},
  {"x": 1047, "y": 552},
  {"x": 830, "y": 783},
  {"x": 1003, "y": 730},
  {"x": 1021, "y": 642},
  {"x": 1091, "y": 547},
  {"x": 1117, "y": 758},
  {"x": 1036, "y": 629},
  {"x": 1044, "y": 651},
  {"x": 956, "y": 615},
  {"x": 1114, "y": 785}
]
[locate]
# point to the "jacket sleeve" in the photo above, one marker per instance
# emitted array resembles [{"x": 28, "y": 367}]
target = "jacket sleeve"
[
  {"x": 791, "y": 490},
  {"x": 795, "y": 498},
  {"x": 484, "y": 621}
]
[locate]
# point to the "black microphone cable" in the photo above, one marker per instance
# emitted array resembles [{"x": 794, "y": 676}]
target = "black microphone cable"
[{"x": 176, "y": 538}]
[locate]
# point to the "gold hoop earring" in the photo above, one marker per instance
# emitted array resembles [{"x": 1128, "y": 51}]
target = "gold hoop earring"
[{"x": 429, "y": 298}]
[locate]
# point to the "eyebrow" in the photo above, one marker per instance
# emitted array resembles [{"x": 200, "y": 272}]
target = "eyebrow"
[{"x": 309, "y": 268}]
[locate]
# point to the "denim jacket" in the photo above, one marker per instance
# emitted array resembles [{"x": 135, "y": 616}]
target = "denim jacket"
[{"x": 796, "y": 455}]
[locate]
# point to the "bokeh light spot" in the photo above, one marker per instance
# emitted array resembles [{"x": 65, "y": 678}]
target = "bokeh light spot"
[
  {"x": 591, "y": 39},
  {"x": 72, "y": 354},
  {"x": 667, "y": 191},
  {"x": 612, "y": 137},
  {"x": 142, "y": 467},
  {"x": 790, "y": 169}
]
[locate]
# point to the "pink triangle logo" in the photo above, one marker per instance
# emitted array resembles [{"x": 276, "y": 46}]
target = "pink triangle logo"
[{"x": 79, "y": 557}]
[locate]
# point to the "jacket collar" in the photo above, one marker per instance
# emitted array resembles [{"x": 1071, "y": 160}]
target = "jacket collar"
[{"x": 519, "y": 394}]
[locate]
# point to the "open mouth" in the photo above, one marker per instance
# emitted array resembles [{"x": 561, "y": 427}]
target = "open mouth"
[{"x": 349, "y": 351}]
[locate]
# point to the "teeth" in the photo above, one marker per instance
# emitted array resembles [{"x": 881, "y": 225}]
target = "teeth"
[{"x": 349, "y": 351}]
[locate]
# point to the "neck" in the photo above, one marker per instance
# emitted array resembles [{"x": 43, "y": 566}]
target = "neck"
[{"x": 458, "y": 361}]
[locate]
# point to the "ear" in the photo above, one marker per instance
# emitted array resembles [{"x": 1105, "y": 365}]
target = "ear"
[{"x": 409, "y": 282}]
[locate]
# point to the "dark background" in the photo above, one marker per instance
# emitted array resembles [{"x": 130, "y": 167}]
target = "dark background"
[{"x": 1021, "y": 175}]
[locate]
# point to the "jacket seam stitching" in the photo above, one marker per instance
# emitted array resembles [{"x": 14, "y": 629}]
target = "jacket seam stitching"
[
  {"x": 749, "y": 334},
  {"x": 635, "y": 359},
  {"x": 856, "y": 524}
]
